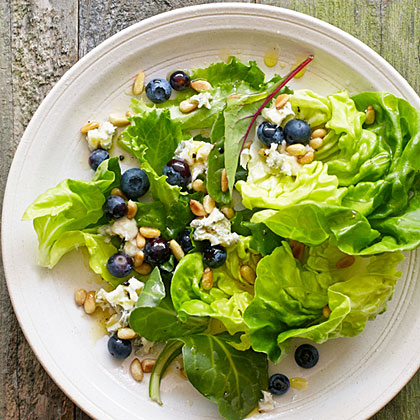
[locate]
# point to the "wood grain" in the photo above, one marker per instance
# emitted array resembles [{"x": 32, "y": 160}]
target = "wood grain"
[{"x": 41, "y": 39}]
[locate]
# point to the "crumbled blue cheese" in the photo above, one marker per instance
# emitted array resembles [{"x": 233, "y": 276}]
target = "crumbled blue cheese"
[
  {"x": 101, "y": 136},
  {"x": 130, "y": 248},
  {"x": 266, "y": 403},
  {"x": 125, "y": 228},
  {"x": 122, "y": 300},
  {"x": 202, "y": 99},
  {"x": 278, "y": 116},
  {"x": 216, "y": 228},
  {"x": 196, "y": 154},
  {"x": 280, "y": 160}
]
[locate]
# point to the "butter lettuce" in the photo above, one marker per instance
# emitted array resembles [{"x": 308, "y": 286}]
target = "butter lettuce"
[
  {"x": 230, "y": 295},
  {"x": 70, "y": 206},
  {"x": 289, "y": 296}
]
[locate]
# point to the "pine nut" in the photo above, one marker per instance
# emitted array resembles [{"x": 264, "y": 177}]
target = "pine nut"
[
  {"x": 147, "y": 365},
  {"x": 138, "y": 259},
  {"x": 370, "y": 115},
  {"x": 235, "y": 96},
  {"x": 319, "y": 132},
  {"x": 144, "y": 269},
  {"x": 90, "y": 303},
  {"x": 117, "y": 191},
  {"x": 149, "y": 232},
  {"x": 198, "y": 185},
  {"x": 299, "y": 383},
  {"x": 131, "y": 209},
  {"x": 209, "y": 204},
  {"x": 138, "y": 85},
  {"x": 140, "y": 241},
  {"x": 316, "y": 143},
  {"x": 282, "y": 100},
  {"x": 90, "y": 125},
  {"x": 187, "y": 106},
  {"x": 224, "y": 183},
  {"x": 261, "y": 152},
  {"x": 136, "y": 370},
  {"x": 126, "y": 334},
  {"x": 176, "y": 249},
  {"x": 80, "y": 297},
  {"x": 326, "y": 311},
  {"x": 296, "y": 149},
  {"x": 248, "y": 274},
  {"x": 306, "y": 158},
  {"x": 129, "y": 113},
  {"x": 197, "y": 208},
  {"x": 207, "y": 279},
  {"x": 346, "y": 261},
  {"x": 200, "y": 85},
  {"x": 118, "y": 120},
  {"x": 298, "y": 250},
  {"x": 228, "y": 211}
]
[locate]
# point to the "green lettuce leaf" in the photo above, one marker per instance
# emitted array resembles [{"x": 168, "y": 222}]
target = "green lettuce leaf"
[
  {"x": 289, "y": 297},
  {"x": 155, "y": 318},
  {"x": 70, "y": 206},
  {"x": 226, "y": 300}
]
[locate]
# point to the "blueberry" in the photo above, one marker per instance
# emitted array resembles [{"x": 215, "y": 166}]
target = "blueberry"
[
  {"x": 120, "y": 264},
  {"x": 214, "y": 256},
  {"x": 306, "y": 356},
  {"x": 97, "y": 157},
  {"x": 177, "y": 172},
  {"x": 158, "y": 90},
  {"x": 157, "y": 251},
  {"x": 278, "y": 384},
  {"x": 179, "y": 80},
  {"x": 115, "y": 207},
  {"x": 134, "y": 183},
  {"x": 269, "y": 133},
  {"x": 297, "y": 131},
  {"x": 118, "y": 348},
  {"x": 185, "y": 241}
]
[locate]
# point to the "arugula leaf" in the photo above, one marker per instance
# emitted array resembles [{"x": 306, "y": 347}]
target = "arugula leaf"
[
  {"x": 151, "y": 214},
  {"x": 70, "y": 206},
  {"x": 232, "y": 379},
  {"x": 155, "y": 318}
]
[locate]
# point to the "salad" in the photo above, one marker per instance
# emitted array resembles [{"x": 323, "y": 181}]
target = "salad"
[{"x": 257, "y": 214}]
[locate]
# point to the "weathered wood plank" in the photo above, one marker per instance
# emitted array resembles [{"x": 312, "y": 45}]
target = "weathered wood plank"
[
  {"x": 38, "y": 43},
  {"x": 100, "y": 19}
]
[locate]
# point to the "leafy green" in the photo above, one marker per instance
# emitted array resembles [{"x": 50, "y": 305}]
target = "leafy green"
[
  {"x": 289, "y": 297},
  {"x": 232, "y": 379},
  {"x": 225, "y": 301},
  {"x": 233, "y": 72},
  {"x": 157, "y": 134},
  {"x": 70, "y": 206},
  {"x": 172, "y": 349},
  {"x": 216, "y": 164},
  {"x": 99, "y": 252},
  {"x": 263, "y": 240},
  {"x": 155, "y": 318}
]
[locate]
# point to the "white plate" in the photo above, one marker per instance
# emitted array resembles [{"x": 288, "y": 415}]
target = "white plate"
[{"x": 354, "y": 378}]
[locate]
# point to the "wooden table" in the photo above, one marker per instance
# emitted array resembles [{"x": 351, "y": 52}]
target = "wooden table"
[{"x": 41, "y": 39}]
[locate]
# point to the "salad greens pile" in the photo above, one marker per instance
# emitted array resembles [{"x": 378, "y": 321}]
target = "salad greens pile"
[{"x": 360, "y": 196}]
